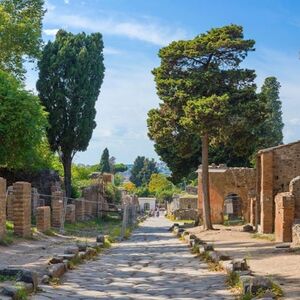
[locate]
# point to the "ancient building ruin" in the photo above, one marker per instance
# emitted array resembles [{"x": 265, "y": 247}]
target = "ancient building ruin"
[
  {"x": 229, "y": 188},
  {"x": 278, "y": 190},
  {"x": 183, "y": 207}
]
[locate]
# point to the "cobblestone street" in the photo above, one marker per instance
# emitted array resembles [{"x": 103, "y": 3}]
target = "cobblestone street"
[{"x": 152, "y": 264}]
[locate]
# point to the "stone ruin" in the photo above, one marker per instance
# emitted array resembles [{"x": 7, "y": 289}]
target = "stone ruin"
[
  {"x": 229, "y": 188},
  {"x": 183, "y": 207},
  {"x": 277, "y": 203},
  {"x": 20, "y": 202}
]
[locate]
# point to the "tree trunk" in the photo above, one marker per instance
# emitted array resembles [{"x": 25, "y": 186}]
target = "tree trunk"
[
  {"x": 67, "y": 163},
  {"x": 205, "y": 184}
]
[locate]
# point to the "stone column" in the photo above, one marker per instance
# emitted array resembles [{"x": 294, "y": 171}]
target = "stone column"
[
  {"x": 266, "y": 193},
  {"x": 57, "y": 207},
  {"x": 79, "y": 209},
  {"x": 253, "y": 211},
  {"x": 34, "y": 201},
  {"x": 2, "y": 207},
  {"x": 22, "y": 208},
  {"x": 43, "y": 218},
  {"x": 284, "y": 217}
]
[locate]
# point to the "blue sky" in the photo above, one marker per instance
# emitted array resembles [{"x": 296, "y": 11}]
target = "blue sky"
[{"x": 134, "y": 31}]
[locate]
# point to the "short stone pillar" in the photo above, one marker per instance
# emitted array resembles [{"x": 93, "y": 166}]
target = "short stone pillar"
[
  {"x": 9, "y": 204},
  {"x": 2, "y": 207},
  {"x": 22, "y": 208},
  {"x": 79, "y": 209},
  {"x": 70, "y": 213},
  {"x": 43, "y": 218},
  {"x": 284, "y": 216},
  {"x": 57, "y": 206}
]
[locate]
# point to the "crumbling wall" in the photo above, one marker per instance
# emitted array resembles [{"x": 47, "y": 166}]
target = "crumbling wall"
[{"x": 240, "y": 181}]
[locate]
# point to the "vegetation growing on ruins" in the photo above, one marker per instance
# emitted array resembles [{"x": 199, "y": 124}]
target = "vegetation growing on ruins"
[{"x": 71, "y": 72}]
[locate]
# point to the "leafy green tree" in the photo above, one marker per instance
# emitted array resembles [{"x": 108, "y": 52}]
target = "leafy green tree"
[
  {"x": 71, "y": 72},
  {"x": 21, "y": 28},
  {"x": 104, "y": 166},
  {"x": 202, "y": 77},
  {"x": 23, "y": 124},
  {"x": 142, "y": 170},
  {"x": 191, "y": 70},
  {"x": 120, "y": 168},
  {"x": 158, "y": 183},
  {"x": 148, "y": 169},
  {"x": 270, "y": 131},
  {"x": 136, "y": 170}
]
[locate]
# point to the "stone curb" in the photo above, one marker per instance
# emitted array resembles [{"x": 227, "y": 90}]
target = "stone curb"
[{"x": 249, "y": 282}]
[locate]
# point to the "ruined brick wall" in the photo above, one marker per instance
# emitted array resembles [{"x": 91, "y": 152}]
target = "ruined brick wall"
[
  {"x": 188, "y": 202},
  {"x": 277, "y": 167},
  {"x": 2, "y": 207},
  {"x": 240, "y": 181},
  {"x": 96, "y": 202}
]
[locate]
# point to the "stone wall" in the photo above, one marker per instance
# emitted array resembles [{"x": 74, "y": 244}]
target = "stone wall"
[
  {"x": 222, "y": 182},
  {"x": 96, "y": 204},
  {"x": 278, "y": 171},
  {"x": 2, "y": 207}
]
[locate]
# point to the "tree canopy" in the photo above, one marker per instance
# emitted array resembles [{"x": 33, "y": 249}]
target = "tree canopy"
[
  {"x": 71, "y": 72},
  {"x": 104, "y": 166},
  {"x": 270, "y": 131},
  {"x": 23, "y": 123},
  {"x": 202, "y": 67},
  {"x": 21, "y": 29},
  {"x": 206, "y": 96},
  {"x": 142, "y": 170}
]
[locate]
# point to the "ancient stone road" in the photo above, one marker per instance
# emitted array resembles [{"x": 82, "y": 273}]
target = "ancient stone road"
[{"x": 152, "y": 264}]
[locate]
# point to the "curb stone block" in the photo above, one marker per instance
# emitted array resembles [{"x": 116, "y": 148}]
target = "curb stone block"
[
  {"x": 251, "y": 284},
  {"x": 208, "y": 247},
  {"x": 72, "y": 250},
  {"x": 57, "y": 270},
  {"x": 239, "y": 264}
]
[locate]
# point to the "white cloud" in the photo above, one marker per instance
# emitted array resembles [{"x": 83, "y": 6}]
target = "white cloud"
[
  {"x": 50, "y": 32},
  {"x": 111, "y": 51},
  {"x": 145, "y": 30},
  {"x": 67, "y": 1}
]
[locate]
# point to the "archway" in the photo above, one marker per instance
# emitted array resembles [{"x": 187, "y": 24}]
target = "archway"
[{"x": 233, "y": 207}]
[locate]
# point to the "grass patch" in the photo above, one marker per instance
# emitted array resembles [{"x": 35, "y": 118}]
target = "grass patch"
[
  {"x": 212, "y": 265},
  {"x": 7, "y": 278},
  {"x": 21, "y": 293},
  {"x": 233, "y": 280},
  {"x": 8, "y": 239},
  {"x": 49, "y": 232},
  {"x": 264, "y": 236}
]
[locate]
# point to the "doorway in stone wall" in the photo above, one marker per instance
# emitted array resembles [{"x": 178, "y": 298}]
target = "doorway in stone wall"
[{"x": 233, "y": 209}]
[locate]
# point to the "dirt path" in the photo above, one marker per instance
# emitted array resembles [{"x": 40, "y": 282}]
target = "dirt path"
[
  {"x": 152, "y": 264},
  {"x": 262, "y": 256}
]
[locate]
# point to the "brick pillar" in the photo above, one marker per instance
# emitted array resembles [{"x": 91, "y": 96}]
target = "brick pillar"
[
  {"x": 22, "y": 208},
  {"x": 266, "y": 193},
  {"x": 43, "y": 218},
  {"x": 2, "y": 207},
  {"x": 9, "y": 203},
  {"x": 79, "y": 209},
  {"x": 57, "y": 206},
  {"x": 284, "y": 217},
  {"x": 70, "y": 213}
]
